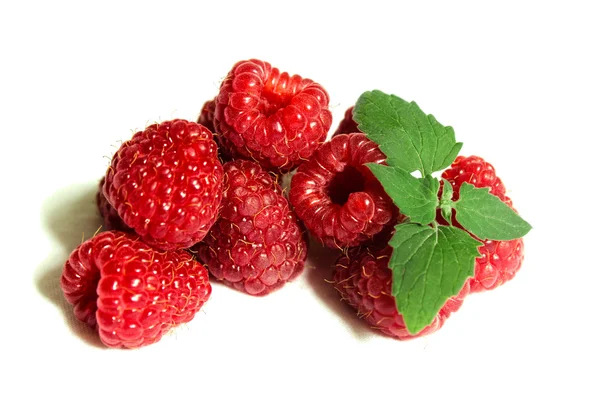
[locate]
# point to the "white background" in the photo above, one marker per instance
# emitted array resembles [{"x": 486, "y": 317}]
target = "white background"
[{"x": 519, "y": 82}]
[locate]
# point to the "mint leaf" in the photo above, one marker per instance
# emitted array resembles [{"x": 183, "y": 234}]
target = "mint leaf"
[
  {"x": 446, "y": 202},
  {"x": 429, "y": 265},
  {"x": 486, "y": 216},
  {"x": 410, "y": 139},
  {"x": 415, "y": 197}
]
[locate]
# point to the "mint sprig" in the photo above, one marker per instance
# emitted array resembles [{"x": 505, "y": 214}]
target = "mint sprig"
[
  {"x": 430, "y": 262},
  {"x": 411, "y": 139},
  {"x": 446, "y": 203},
  {"x": 486, "y": 216},
  {"x": 429, "y": 266},
  {"x": 416, "y": 197}
]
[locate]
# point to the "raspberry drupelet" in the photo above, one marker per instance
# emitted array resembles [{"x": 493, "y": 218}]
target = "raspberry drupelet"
[
  {"x": 109, "y": 215},
  {"x": 207, "y": 115}
]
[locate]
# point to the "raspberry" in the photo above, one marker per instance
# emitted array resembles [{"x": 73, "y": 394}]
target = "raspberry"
[
  {"x": 166, "y": 183},
  {"x": 131, "y": 293},
  {"x": 476, "y": 171},
  {"x": 269, "y": 116},
  {"x": 111, "y": 218},
  {"x": 257, "y": 244},
  {"x": 500, "y": 260},
  {"x": 337, "y": 197},
  {"x": 207, "y": 115},
  {"x": 364, "y": 281},
  {"x": 347, "y": 124}
]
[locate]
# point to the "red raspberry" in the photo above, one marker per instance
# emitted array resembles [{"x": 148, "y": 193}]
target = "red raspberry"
[
  {"x": 363, "y": 279},
  {"x": 337, "y": 197},
  {"x": 257, "y": 244},
  {"x": 111, "y": 218},
  {"x": 207, "y": 115},
  {"x": 269, "y": 116},
  {"x": 500, "y": 260},
  {"x": 347, "y": 125},
  {"x": 166, "y": 183},
  {"x": 130, "y": 292},
  {"x": 476, "y": 171}
]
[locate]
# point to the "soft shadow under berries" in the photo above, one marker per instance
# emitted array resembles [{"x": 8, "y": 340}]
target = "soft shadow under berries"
[
  {"x": 69, "y": 215},
  {"x": 319, "y": 273}
]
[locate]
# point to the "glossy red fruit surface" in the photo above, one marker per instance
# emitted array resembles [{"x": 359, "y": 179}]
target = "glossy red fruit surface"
[
  {"x": 207, "y": 119},
  {"x": 257, "y": 245},
  {"x": 110, "y": 216},
  {"x": 269, "y": 116},
  {"x": 336, "y": 196},
  {"x": 500, "y": 260},
  {"x": 364, "y": 281},
  {"x": 207, "y": 115},
  {"x": 478, "y": 172},
  {"x": 131, "y": 293},
  {"x": 166, "y": 183}
]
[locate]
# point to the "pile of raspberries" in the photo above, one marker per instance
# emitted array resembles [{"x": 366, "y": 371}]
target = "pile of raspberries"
[{"x": 186, "y": 203}]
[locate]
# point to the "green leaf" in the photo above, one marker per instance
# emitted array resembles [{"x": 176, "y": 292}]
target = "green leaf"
[
  {"x": 446, "y": 203},
  {"x": 410, "y": 139},
  {"x": 415, "y": 197},
  {"x": 486, "y": 216},
  {"x": 429, "y": 265}
]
